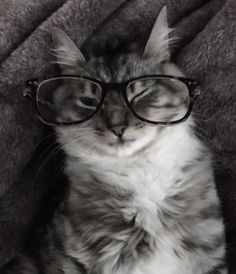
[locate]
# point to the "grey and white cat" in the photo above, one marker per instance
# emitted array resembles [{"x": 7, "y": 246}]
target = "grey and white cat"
[{"x": 146, "y": 205}]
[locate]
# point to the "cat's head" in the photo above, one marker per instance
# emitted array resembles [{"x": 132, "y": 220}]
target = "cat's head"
[{"x": 114, "y": 130}]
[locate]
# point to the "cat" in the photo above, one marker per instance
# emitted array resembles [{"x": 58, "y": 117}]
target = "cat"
[{"x": 144, "y": 205}]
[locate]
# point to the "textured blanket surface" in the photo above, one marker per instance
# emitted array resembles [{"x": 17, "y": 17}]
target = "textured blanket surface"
[{"x": 205, "y": 47}]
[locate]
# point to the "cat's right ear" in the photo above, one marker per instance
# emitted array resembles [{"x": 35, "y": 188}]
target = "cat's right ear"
[
  {"x": 65, "y": 50},
  {"x": 157, "y": 44}
]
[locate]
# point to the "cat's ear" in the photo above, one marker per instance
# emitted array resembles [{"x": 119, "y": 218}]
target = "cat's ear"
[
  {"x": 65, "y": 50},
  {"x": 157, "y": 44}
]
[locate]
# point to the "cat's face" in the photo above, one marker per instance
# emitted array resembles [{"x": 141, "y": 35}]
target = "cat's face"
[{"x": 113, "y": 130}]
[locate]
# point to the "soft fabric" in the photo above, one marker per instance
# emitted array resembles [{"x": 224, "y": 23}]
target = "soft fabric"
[{"x": 204, "y": 45}]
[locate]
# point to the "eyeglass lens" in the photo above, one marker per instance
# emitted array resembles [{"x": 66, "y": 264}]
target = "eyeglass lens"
[
  {"x": 159, "y": 100},
  {"x": 68, "y": 100}
]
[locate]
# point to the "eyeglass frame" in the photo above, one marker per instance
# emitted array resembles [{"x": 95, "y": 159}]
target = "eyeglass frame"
[{"x": 32, "y": 86}]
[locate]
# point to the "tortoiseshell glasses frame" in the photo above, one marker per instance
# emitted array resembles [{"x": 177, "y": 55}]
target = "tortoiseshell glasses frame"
[{"x": 32, "y": 88}]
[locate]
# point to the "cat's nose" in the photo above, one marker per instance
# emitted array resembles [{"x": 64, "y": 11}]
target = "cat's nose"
[{"x": 118, "y": 130}]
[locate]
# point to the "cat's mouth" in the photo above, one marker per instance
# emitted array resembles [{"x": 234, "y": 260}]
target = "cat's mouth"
[{"x": 121, "y": 142}]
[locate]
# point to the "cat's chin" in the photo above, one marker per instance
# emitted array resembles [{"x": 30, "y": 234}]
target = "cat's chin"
[
  {"x": 127, "y": 148},
  {"x": 120, "y": 150}
]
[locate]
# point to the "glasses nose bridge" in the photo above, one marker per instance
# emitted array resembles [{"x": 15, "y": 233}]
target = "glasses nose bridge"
[
  {"x": 118, "y": 88},
  {"x": 111, "y": 87}
]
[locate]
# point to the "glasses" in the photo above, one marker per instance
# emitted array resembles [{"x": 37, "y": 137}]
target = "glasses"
[{"x": 63, "y": 100}]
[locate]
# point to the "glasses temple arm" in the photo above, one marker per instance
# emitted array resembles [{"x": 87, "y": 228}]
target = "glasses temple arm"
[{"x": 27, "y": 92}]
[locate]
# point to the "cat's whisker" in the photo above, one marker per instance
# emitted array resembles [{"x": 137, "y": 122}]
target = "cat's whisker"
[
  {"x": 59, "y": 169},
  {"x": 54, "y": 151},
  {"x": 200, "y": 132},
  {"x": 44, "y": 152},
  {"x": 43, "y": 139},
  {"x": 49, "y": 157}
]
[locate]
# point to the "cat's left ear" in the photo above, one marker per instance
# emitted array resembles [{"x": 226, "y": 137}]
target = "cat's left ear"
[
  {"x": 157, "y": 44},
  {"x": 65, "y": 50}
]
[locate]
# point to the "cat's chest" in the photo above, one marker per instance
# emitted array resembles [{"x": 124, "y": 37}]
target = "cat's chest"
[
  {"x": 147, "y": 177},
  {"x": 127, "y": 199},
  {"x": 138, "y": 187}
]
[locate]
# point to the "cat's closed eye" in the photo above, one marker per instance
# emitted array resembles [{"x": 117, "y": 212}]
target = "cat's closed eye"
[{"x": 88, "y": 101}]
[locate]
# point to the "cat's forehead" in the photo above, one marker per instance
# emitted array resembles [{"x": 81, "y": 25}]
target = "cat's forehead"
[{"x": 120, "y": 68}]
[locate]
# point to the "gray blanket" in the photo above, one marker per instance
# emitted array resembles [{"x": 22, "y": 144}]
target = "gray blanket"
[{"x": 204, "y": 46}]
